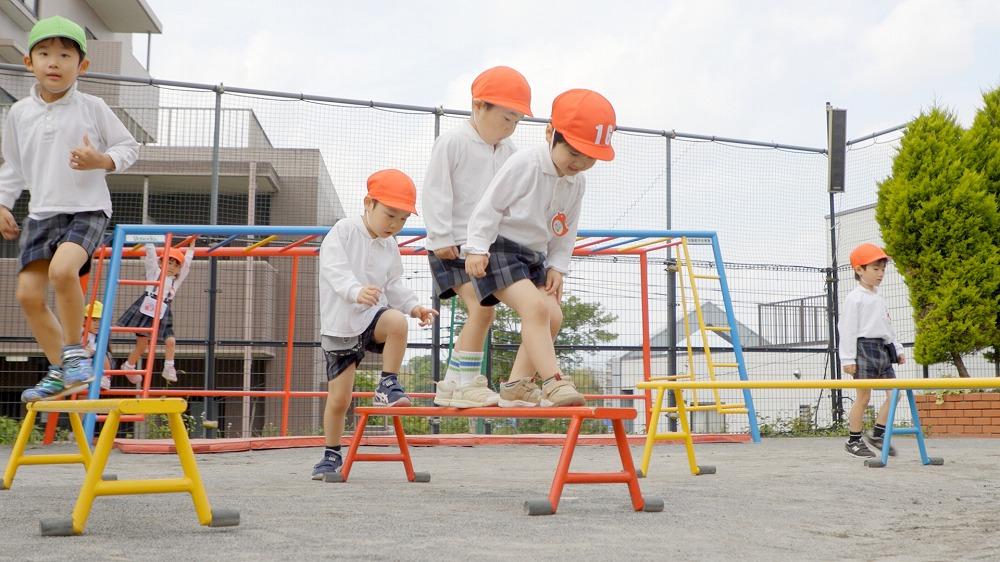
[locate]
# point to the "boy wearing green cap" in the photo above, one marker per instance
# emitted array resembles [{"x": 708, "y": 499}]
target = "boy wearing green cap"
[{"x": 59, "y": 144}]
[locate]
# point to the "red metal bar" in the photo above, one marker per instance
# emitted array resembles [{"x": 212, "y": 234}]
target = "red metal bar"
[
  {"x": 647, "y": 367},
  {"x": 296, "y": 244},
  {"x": 411, "y": 240},
  {"x": 289, "y": 350},
  {"x": 352, "y": 451},
  {"x": 664, "y": 245},
  {"x": 621, "y": 439},
  {"x": 137, "y": 282},
  {"x": 581, "y": 412},
  {"x": 597, "y": 478},
  {"x": 565, "y": 458},
  {"x": 404, "y": 451},
  {"x": 593, "y": 243}
]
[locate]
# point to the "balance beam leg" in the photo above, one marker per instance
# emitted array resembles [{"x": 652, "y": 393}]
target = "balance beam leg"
[
  {"x": 80, "y": 437},
  {"x": 651, "y": 431},
  {"x": 686, "y": 430},
  {"x": 565, "y": 459},
  {"x": 99, "y": 460},
  {"x": 352, "y": 451},
  {"x": 403, "y": 449},
  {"x": 23, "y": 435},
  {"x": 626, "y": 455},
  {"x": 186, "y": 455}
]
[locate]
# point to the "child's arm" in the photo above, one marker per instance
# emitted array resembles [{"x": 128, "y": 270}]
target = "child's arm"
[
  {"x": 396, "y": 292},
  {"x": 560, "y": 248},
  {"x": 122, "y": 146},
  {"x": 152, "y": 263},
  {"x": 11, "y": 180},
  {"x": 185, "y": 268},
  {"x": 484, "y": 223},
  {"x": 335, "y": 267},
  {"x": 848, "y": 328},
  {"x": 437, "y": 199}
]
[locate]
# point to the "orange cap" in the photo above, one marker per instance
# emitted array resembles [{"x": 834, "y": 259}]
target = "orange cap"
[
  {"x": 866, "y": 254},
  {"x": 176, "y": 254},
  {"x": 586, "y": 120},
  {"x": 393, "y": 189},
  {"x": 503, "y": 86}
]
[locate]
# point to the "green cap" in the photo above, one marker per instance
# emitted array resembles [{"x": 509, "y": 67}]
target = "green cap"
[{"x": 57, "y": 26}]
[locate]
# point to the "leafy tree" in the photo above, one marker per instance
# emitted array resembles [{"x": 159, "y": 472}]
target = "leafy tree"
[
  {"x": 938, "y": 221},
  {"x": 982, "y": 154}
]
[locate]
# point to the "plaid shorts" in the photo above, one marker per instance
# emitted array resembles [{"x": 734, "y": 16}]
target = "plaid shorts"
[
  {"x": 40, "y": 238},
  {"x": 874, "y": 360},
  {"x": 135, "y": 318},
  {"x": 354, "y": 348},
  {"x": 510, "y": 262},
  {"x": 447, "y": 274}
]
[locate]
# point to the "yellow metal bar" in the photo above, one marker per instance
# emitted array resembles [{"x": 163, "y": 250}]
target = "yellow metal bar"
[
  {"x": 153, "y": 486},
  {"x": 686, "y": 431},
  {"x": 672, "y": 377},
  {"x": 717, "y": 329},
  {"x": 63, "y": 458},
  {"x": 81, "y": 438},
  {"x": 700, "y": 276},
  {"x": 725, "y": 409},
  {"x": 106, "y": 405},
  {"x": 81, "y": 511},
  {"x": 730, "y": 365},
  {"x": 671, "y": 436},
  {"x": 651, "y": 432},
  {"x": 884, "y": 384},
  {"x": 648, "y": 242},
  {"x": 263, "y": 242},
  {"x": 17, "y": 453},
  {"x": 186, "y": 455}
]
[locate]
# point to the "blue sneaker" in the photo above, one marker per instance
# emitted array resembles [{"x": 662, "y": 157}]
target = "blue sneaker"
[
  {"x": 49, "y": 388},
  {"x": 78, "y": 377},
  {"x": 390, "y": 393},
  {"x": 330, "y": 464}
]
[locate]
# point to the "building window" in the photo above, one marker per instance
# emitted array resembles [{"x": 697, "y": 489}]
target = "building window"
[{"x": 31, "y": 6}]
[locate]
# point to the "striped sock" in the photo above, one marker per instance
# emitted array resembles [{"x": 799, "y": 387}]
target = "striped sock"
[{"x": 464, "y": 366}]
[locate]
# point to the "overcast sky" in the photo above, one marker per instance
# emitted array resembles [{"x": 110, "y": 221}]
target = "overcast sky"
[{"x": 750, "y": 69}]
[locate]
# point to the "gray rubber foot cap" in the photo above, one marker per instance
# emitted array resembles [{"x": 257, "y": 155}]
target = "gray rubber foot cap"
[
  {"x": 652, "y": 505},
  {"x": 874, "y": 463},
  {"x": 333, "y": 477},
  {"x": 640, "y": 474},
  {"x": 704, "y": 469},
  {"x": 57, "y": 528},
  {"x": 935, "y": 461},
  {"x": 538, "y": 507},
  {"x": 225, "y": 518},
  {"x": 421, "y": 476},
  {"x": 109, "y": 477}
]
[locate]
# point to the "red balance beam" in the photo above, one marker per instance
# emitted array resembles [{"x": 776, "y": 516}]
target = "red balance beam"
[{"x": 562, "y": 476}]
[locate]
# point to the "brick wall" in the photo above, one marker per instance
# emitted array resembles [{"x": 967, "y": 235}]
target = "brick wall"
[{"x": 976, "y": 414}]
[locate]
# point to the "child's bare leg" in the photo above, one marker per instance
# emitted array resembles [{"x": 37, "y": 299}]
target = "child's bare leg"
[
  {"x": 338, "y": 400},
  {"x": 883, "y": 412},
  {"x": 32, "y": 285},
  {"x": 391, "y": 330},
  {"x": 64, "y": 274},
  {"x": 856, "y": 418},
  {"x": 536, "y": 334},
  {"x": 139, "y": 350},
  {"x": 171, "y": 347},
  {"x": 473, "y": 334},
  {"x": 522, "y": 367}
]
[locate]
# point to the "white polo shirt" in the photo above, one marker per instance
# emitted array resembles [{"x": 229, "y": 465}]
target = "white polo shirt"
[
  {"x": 520, "y": 203},
  {"x": 864, "y": 315},
  {"x": 37, "y": 140},
  {"x": 350, "y": 259},
  {"x": 461, "y": 167}
]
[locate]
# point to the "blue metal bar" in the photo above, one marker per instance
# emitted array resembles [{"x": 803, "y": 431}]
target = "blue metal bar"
[
  {"x": 919, "y": 429},
  {"x": 224, "y": 243},
  {"x": 735, "y": 335}
]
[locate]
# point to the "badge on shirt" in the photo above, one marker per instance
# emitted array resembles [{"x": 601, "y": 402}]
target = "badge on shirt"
[{"x": 558, "y": 224}]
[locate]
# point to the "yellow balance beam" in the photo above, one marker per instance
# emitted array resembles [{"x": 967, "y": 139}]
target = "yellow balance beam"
[
  {"x": 105, "y": 406},
  {"x": 889, "y": 384}
]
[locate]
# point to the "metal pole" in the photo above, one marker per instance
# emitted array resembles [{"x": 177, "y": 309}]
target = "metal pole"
[
  {"x": 248, "y": 285},
  {"x": 213, "y": 272},
  {"x": 671, "y": 297},
  {"x": 145, "y": 199},
  {"x": 149, "y": 47},
  {"x": 833, "y": 314},
  {"x": 436, "y": 304}
]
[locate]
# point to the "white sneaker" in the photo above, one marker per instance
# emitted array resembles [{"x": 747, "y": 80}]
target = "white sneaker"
[
  {"x": 445, "y": 390},
  {"x": 524, "y": 394},
  {"x": 134, "y": 379},
  {"x": 478, "y": 394},
  {"x": 105, "y": 382},
  {"x": 169, "y": 373}
]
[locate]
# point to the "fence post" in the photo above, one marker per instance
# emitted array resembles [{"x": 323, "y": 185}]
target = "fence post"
[
  {"x": 436, "y": 305},
  {"x": 213, "y": 270},
  {"x": 671, "y": 291}
]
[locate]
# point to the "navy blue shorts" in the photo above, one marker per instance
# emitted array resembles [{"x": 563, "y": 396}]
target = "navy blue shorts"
[
  {"x": 510, "y": 262},
  {"x": 874, "y": 360},
  {"x": 447, "y": 274},
  {"x": 338, "y": 360},
  {"x": 40, "y": 238}
]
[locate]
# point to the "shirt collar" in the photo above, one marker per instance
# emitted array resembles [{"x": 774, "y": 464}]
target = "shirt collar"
[
  {"x": 359, "y": 223},
  {"x": 61, "y": 101}
]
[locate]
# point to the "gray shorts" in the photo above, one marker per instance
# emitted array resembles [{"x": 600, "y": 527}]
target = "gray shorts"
[
  {"x": 874, "y": 359},
  {"x": 510, "y": 262},
  {"x": 350, "y": 350},
  {"x": 40, "y": 238}
]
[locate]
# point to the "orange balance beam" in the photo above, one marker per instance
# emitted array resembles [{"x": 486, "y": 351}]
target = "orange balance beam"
[{"x": 563, "y": 476}]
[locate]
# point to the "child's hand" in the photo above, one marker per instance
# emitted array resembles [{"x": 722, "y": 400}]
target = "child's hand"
[
  {"x": 554, "y": 283},
  {"x": 475, "y": 265},
  {"x": 850, "y": 369},
  {"x": 902, "y": 359},
  {"x": 424, "y": 314},
  {"x": 86, "y": 157},
  {"x": 449, "y": 253},
  {"x": 369, "y": 295},
  {"x": 8, "y": 226}
]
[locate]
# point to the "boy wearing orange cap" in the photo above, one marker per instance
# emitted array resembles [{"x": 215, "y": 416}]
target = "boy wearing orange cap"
[
  {"x": 59, "y": 144},
  {"x": 868, "y": 345},
  {"x": 140, "y": 313},
  {"x": 463, "y": 162},
  {"x": 521, "y": 237},
  {"x": 363, "y": 303}
]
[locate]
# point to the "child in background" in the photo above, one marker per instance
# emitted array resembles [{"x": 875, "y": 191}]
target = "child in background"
[
  {"x": 59, "y": 144},
  {"x": 362, "y": 302},
  {"x": 521, "y": 237},
  {"x": 462, "y": 164},
  {"x": 140, "y": 313},
  {"x": 91, "y": 325},
  {"x": 868, "y": 345}
]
